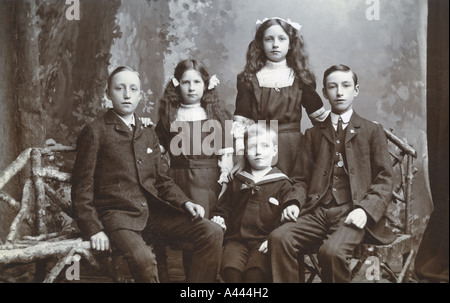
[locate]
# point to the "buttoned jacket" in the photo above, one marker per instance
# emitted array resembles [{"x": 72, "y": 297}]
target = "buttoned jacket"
[
  {"x": 118, "y": 176},
  {"x": 367, "y": 162}
]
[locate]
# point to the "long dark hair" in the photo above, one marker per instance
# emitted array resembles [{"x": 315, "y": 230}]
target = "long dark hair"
[
  {"x": 296, "y": 58},
  {"x": 171, "y": 99}
]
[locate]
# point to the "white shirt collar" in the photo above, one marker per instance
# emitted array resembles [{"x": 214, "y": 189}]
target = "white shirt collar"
[{"x": 345, "y": 118}]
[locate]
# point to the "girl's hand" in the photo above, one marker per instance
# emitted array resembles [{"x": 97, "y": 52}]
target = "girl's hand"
[
  {"x": 290, "y": 213},
  {"x": 146, "y": 121},
  {"x": 195, "y": 210},
  {"x": 264, "y": 247},
  {"x": 221, "y": 221},
  {"x": 100, "y": 241}
]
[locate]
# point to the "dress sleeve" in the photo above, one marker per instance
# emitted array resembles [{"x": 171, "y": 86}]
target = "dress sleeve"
[
  {"x": 313, "y": 105},
  {"x": 163, "y": 137},
  {"x": 245, "y": 98},
  {"x": 226, "y": 164}
]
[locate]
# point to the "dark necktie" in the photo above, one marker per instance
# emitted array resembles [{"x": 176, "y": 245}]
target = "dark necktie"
[{"x": 339, "y": 126}]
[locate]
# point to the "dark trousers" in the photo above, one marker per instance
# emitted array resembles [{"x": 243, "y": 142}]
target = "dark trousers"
[
  {"x": 244, "y": 256},
  {"x": 205, "y": 236},
  {"x": 322, "y": 224},
  {"x": 140, "y": 258}
]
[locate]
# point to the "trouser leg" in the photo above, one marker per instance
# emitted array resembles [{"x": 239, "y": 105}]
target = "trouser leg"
[
  {"x": 205, "y": 235},
  {"x": 140, "y": 258},
  {"x": 287, "y": 240}
]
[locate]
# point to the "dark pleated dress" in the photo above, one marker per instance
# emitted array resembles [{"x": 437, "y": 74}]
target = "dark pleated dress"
[
  {"x": 196, "y": 175},
  {"x": 283, "y": 105}
]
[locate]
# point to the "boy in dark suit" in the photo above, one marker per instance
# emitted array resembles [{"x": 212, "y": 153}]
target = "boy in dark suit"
[
  {"x": 250, "y": 209},
  {"x": 120, "y": 193},
  {"x": 343, "y": 185}
]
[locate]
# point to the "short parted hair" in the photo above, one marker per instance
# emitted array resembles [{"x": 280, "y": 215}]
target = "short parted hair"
[
  {"x": 339, "y": 68},
  {"x": 258, "y": 129},
  {"x": 121, "y": 69}
]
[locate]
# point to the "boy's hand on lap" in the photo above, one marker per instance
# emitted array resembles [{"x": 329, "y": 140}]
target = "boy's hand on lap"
[
  {"x": 221, "y": 221},
  {"x": 100, "y": 241},
  {"x": 195, "y": 210},
  {"x": 290, "y": 213},
  {"x": 264, "y": 248},
  {"x": 357, "y": 217}
]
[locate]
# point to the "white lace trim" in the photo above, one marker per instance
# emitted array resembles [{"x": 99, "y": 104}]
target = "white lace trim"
[
  {"x": 275, "y": 75},
  {"x": 191, "y": 112}
]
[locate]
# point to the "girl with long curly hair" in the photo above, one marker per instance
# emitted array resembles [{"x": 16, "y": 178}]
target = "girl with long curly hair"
[
  {"x": 274, "y": 86},
  {"x": 191, "y": 128}
]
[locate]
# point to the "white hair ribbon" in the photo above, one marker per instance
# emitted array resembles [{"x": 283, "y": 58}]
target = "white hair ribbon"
[
  {"x": 213, "y": 82},
  {"x": 288, "y": 21},
  {"x": 174, "y": 81}
]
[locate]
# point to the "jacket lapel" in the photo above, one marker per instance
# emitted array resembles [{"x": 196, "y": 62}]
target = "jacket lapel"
[
  {"x": 139, "y": 129},
  {"x": 327, "y": 129},
  {"x": 112, "y": 118},
  {"x": 352, "y": 127}
]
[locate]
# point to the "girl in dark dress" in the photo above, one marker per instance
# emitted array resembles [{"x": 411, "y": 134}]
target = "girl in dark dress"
[
  {"x": 274, "y": 86},
  {"x": 191, "y": 128}
]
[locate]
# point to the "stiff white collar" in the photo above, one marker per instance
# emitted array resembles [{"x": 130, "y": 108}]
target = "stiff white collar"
[{"x": 345, "y": 118}]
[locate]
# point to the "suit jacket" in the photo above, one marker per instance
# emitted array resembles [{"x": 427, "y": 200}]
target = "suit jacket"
[
  {"x": 368, "y": 164},
  {"x": 117, "y": 174}
]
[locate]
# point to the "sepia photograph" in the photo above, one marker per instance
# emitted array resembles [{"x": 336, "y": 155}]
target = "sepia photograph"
[{"x": 256, "y": 142}]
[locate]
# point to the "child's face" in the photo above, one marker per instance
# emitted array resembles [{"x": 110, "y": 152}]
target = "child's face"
[
  {"x": 276, "y": 43},
  {"x": 261, "y": 151},
  {"x": 191, "y": 87},
  {"x": 340, "y": 90},
  {"x": 125, "y": 92}
]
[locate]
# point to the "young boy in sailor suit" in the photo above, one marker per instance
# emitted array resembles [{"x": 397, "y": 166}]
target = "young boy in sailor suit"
[{"x": 250, "y": 209}]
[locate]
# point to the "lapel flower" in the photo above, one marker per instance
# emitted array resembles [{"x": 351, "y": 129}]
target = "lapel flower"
[{"x": 213, "y": 82}]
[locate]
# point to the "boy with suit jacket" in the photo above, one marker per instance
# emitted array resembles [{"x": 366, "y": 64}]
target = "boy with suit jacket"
[
  {"x": 120, "y": 192},
  {"x": 343, "y": 185}
]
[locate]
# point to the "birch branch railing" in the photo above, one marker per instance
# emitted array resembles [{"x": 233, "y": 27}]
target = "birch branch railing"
[{"x": 41, "y": 244}]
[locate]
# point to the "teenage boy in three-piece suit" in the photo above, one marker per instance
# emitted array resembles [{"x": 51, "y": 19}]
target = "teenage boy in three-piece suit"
[{"x": 342, "y": 186}]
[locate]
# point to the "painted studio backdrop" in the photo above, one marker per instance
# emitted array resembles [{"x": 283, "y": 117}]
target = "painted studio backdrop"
[{"x": 66, "y": 51}]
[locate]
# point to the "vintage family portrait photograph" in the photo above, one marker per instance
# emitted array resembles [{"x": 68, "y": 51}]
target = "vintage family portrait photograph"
[{"x": 204, "y": 143}]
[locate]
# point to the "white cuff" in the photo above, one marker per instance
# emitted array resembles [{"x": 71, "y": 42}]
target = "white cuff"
[{"x": 319, "y": 115}]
